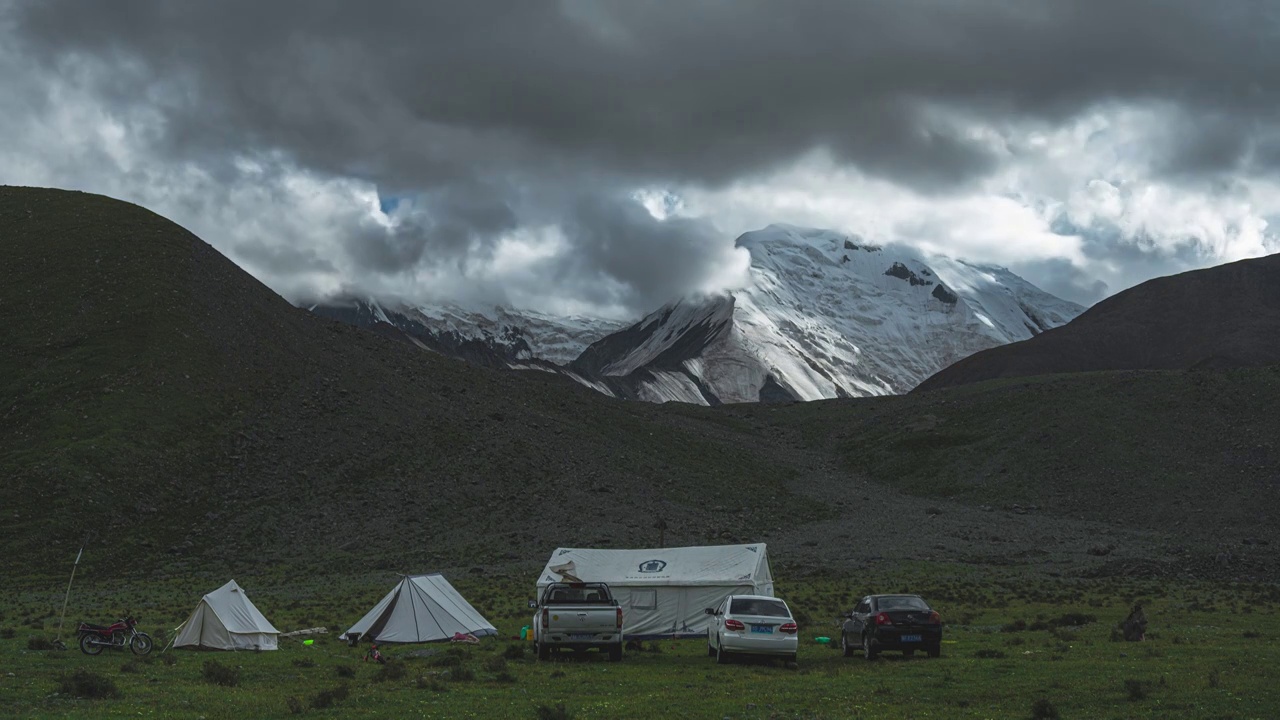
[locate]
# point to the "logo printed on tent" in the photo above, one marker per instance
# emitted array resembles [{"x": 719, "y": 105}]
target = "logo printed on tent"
[{"x": 653, "y": 566}]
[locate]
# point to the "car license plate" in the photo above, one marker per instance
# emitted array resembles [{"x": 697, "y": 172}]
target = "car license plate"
[
  {"x": 581, "y": 636},
  {"x": 910, "y": 638},
  {"x": 766, "y": 629}
]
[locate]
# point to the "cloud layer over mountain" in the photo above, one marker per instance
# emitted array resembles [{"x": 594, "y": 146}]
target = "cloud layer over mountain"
[{"x": 600, "y": 155}]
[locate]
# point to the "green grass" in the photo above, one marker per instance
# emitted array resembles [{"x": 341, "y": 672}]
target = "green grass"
[{"x": 1211, "y": 653}]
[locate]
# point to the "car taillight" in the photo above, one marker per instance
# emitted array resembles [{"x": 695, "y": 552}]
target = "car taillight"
[
  {"x": 789, "y": 628},
  {"x": 734, "y": 625},
  {"x": 935, "y": 618},
  {"x": 619, "y": 618},
  {"x": 546, "y": 616},
  {"x": 883, "y": 619}
]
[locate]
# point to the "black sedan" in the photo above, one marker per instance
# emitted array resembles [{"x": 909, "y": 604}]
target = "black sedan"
[{"x": 891, "y": 622}]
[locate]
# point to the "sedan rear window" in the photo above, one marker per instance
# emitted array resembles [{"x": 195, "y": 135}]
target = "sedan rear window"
[
  {"x": 901, "y": 602},
  {"x": 758, "y": 606}
]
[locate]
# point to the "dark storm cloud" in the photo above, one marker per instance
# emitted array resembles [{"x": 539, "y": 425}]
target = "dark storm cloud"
[
  {"x": 492, "y": 116},
  {"x": 696, "y": 90}
]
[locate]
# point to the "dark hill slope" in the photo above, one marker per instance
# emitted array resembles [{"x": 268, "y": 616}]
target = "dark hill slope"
[
  {"x": 153, "y": 392},
  {"x": 1226, "y": 316}
]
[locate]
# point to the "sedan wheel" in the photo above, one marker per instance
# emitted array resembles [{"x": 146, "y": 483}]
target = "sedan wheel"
[
  {"x": 845, "y": 646},
  {"x": 722, "y": 655},
  {"x": 869, "y": 649}
]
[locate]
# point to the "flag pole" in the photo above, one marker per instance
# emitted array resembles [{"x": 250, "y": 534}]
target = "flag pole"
[{"x": 67, "y": 597}]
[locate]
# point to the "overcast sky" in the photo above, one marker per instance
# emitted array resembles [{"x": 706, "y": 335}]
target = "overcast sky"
[{"x": 600, "y": 156}]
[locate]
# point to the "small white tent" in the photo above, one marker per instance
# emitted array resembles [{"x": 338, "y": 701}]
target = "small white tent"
[
  {"x": 226, "y": 619},
  {"x": 663, "y": 593},
  {"x": 421, "y": 608}
]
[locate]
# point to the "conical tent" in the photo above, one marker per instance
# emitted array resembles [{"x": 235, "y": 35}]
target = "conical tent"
[
  {"x": 226, "y": 619},
  {"x": 420, "y": 608}
]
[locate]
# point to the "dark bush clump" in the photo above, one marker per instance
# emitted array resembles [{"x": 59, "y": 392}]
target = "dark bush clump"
[
  {"x": 447, "y": 660},
  {"x": 462, "y": 674},
  {"x": 169, "y": 660},
  {"x": 1070, "y": 619},
  {"x": 36, "y": 642},
  {"x": 1042, "y": 709},
  {"x": 131, "y": 667},
  {"x": 514, "y": 651},
  {"x": 989, "y": 654},
  {"x": 7, "y": 633},
  {"x": 495, "y": 664},
  {"x": 91, "y": 686},
  {"x": 505, "y": 677},
  {"x": 328, "y": 698},
  {"x": 1251, "y": 634},
  {"x": 1136, "y": 688},
  {"x": 559, "y": 712},
  {"x": 345, "y": 671},
  {"x": 391, "y": 671},
  {"x": 304, "y": 663},
  {"x": 295, "y": 705},
  {"x": 431, "y": 683},
  {"x": 1015, "y": 626},
  {"x": 219, "y": 674}
]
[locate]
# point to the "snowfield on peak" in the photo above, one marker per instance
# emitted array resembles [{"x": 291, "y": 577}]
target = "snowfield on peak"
[{"x": 825, "y": 315}]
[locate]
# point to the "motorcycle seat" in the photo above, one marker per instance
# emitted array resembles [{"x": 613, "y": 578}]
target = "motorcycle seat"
[{"x": 91, "y": 626}]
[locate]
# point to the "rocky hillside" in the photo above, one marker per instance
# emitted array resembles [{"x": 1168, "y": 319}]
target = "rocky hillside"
[
  {"x": 1226, "y": 316},
  {"x": 158, "y": 399}
]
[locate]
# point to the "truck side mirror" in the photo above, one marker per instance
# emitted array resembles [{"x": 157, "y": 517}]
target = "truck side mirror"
[{"x": 533, "y": 604}]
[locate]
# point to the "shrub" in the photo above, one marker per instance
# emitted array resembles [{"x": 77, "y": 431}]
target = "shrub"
[
  {"x": 219, "y": 674},
  {"x": 1073, "y": 619},
  {"x": 462, "y": 674},
  {"x": 328, "y": 698},
  {"x": 1251, "y": 634},
  {"x": 1215, "y": 678},
  {"x": 88, "y": 685},
  {"x": 390, "y": 671},
  {"x": 304, "y": 663},
  {"x": 1042, "y": 709},
  {"x": 514, "y": 651},
  {"x": 131, "y": 667},
  {"x": 495, "y": 664},
  {"x": 1136, "y": 688},
  {"x": 345, "y": 671},
  {"x": 7, "y": 633},
  {"x": 1015, "y": 626},
  {"x": 36, "y": 642},
  {"x": 169, "y": 660},
  {"x": 295, "y": 705},
  {"x": 653, "y": 647},
  {"x": 989, "y": 654},
  {"x": 446, "y": 660},
  {"x": 559, "y": 712},
  {"x": 505, "y": 677},
  {"x": 431, "y": 683}
]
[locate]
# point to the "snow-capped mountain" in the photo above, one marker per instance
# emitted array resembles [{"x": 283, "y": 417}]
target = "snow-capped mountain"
[
  {"x": 825, "y": 315},
  {"x": 493, "y": 336}
]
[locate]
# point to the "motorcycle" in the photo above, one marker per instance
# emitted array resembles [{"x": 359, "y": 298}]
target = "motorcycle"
[{"x": 96, "y": 638}]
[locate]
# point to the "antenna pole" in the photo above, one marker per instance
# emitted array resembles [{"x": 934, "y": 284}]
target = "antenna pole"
[{"x": 67, "y": 596}]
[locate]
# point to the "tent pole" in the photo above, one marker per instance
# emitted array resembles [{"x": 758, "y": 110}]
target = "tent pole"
[{"x": 67, "y": 596}]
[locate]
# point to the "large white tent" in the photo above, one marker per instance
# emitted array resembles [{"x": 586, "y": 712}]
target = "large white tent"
[
  {"x": 664, "y": 593},
  {"x": 226, "y": 619},
  {"x": 420, "y": 608}
]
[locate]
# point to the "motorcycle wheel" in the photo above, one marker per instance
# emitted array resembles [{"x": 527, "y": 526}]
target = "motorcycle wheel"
[
  {"x": 140, "y": 644},
  {"x": 89, "y": 645}
]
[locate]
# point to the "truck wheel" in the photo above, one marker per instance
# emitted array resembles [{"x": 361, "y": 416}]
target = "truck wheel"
[
  {"x": 544, "y": 652},
  {"x": 615, "y": 653},
  {"x": 935, "y": 651}
]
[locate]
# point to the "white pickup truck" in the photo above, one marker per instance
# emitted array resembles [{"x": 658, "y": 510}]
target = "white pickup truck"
[{"x": 577, "y": 615}]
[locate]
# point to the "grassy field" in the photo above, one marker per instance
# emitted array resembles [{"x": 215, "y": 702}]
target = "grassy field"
[{"x": 1016, "y": 646}]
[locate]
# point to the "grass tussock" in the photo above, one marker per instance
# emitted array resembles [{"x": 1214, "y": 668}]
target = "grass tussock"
[
  {"x": 219, "y": 674},
  {"x": 88, "y": 685}
]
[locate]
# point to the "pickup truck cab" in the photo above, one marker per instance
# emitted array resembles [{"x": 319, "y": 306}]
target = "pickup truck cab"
[{"x": 580, "y": 616}]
